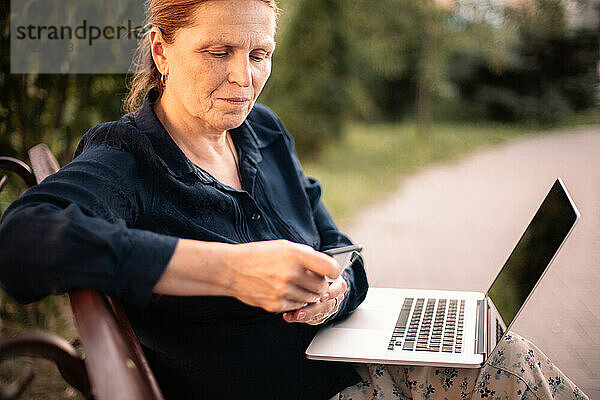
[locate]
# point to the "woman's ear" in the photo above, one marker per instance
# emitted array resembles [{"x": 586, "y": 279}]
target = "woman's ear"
[{"x": 158, "y": 49}]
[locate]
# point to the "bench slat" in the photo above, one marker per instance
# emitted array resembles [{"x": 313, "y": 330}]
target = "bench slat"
[{"x": 112, "y": 371}]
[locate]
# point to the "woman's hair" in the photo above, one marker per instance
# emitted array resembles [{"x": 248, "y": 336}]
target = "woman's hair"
[{"x": 168, "y": 16}]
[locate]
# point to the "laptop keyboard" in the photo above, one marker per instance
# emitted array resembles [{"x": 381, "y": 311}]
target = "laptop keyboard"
[{"x": 435, "y": 325}]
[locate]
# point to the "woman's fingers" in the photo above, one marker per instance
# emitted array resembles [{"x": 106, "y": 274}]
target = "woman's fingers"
[
  {"x": 312, "y": 288},
  {"x": 317, "y": 262},
  {"x": 337, "y": 287},
  {"x": 312, "y": 282},
  {"x": 317, "y": 313},
  {"x": 297, "y": 294},
  {"x": 290, "y": 305}
]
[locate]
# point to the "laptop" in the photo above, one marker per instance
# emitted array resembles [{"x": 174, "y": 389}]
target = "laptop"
[{"x": 450, "y": 328}]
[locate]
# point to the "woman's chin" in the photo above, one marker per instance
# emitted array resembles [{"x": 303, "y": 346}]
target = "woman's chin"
[
  {"x": 228, "y": 122},
  {"x": 232, "y": 119}
]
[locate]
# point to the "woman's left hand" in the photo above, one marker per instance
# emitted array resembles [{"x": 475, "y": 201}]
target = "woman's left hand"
[{"x": 317, "y": 313}]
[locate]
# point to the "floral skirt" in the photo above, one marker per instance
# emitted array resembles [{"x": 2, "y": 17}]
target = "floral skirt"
[{"x": 516, "y": 369}]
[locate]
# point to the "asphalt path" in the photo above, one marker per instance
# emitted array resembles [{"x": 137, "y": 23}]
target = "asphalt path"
[{"x": 452, "y": 226}]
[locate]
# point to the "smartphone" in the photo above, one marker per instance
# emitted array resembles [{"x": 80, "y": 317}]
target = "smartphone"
[{"x": 345, "y": 256}]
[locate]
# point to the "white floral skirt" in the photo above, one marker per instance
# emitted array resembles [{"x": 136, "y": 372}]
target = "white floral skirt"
[{"x": 516, "y": 369}]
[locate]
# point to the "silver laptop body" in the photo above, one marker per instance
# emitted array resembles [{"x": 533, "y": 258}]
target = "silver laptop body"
[{"x": 450, "y": 328}]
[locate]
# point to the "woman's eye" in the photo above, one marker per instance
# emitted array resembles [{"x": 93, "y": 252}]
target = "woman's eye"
[{"x": 258, "y": 57}]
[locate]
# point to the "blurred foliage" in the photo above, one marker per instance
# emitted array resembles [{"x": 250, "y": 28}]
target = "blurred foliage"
[
  {"x": 551, "y": 73},
  {"x": 409, "y": 45},
  {"x": 391, "y": 59},
  {"x": 47, "y": 383},
  {"x": 373, "y": 60},
  {"x": 308, "y": 88},
  {"x": 54, "y": 109},
  {"x": 359, "y": 60},
  {"x": 51, "y": 315}
]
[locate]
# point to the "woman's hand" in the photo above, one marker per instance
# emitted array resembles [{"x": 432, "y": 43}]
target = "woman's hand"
[
  {"x": 319, "y": 312},
  {"x": 280, "y": 275}
]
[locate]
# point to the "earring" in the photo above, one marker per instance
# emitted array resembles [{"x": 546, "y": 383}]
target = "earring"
[{"x": 163, "y": 79}]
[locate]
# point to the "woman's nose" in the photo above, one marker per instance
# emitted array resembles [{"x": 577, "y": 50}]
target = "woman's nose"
[{"x": 239, "y": 71}]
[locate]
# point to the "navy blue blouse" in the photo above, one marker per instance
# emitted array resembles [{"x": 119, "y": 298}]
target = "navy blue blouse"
[{"x": 110, "y": 221}]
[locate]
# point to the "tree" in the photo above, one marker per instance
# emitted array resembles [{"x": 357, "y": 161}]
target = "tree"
[
  {"x": 552, "y": 70},
  {"x": 51, "y": 108},
  {"x": 308, "y": 88},
  {"x": 400, "y": 39}
]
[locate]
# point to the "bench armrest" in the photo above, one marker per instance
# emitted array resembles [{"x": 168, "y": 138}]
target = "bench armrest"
[{"x": 116, "y": 370}]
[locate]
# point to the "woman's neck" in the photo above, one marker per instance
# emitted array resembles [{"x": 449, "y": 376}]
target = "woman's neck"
[
  {"x": 199, "y": 143},
  {"x": 208, "y": 149}
]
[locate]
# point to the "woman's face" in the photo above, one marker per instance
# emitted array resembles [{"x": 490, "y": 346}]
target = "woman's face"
[{"x": 218, "y": 66}]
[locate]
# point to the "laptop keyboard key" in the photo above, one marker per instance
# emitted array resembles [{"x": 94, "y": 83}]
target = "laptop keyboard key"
[{"x": 435, "y": 325}]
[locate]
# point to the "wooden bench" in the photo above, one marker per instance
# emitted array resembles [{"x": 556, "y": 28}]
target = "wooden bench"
[{"x": 113, "y": 366}]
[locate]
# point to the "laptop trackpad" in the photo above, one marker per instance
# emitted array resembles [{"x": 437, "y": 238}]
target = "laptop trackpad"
[{"x": 364, "y": 319}]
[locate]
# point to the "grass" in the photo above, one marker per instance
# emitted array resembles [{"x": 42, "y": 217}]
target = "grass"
[
  {"x": 369, "y": 160},
  {"x": 588, "y": 118}
]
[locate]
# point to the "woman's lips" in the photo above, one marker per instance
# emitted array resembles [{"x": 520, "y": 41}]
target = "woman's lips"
[{"x": 238, "y": 101}]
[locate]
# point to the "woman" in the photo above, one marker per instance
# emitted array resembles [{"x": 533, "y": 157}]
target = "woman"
[
  {"x": 153, "y": 209},
  {"x": 179, "y": 210}
]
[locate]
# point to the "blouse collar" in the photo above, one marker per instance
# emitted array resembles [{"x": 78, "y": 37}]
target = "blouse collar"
[{"x": 171, "y": 156}]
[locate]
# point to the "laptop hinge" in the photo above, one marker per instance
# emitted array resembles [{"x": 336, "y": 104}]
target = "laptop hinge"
[{"x": 480, "y": 345}]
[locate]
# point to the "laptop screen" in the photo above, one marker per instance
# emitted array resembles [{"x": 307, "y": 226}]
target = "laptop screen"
[{"x": 536, "y": 248}]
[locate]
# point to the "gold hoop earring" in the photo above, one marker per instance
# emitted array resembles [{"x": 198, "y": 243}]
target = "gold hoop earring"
[{"x": 163, "y": 79}]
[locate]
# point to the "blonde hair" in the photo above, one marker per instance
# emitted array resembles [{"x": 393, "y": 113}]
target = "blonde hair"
[{"x": 168, "y": 16}]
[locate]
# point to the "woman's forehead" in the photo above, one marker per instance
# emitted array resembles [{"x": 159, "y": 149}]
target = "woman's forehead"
[
  {"x": 243, "y": 40},
  {"x": 227, "y": 13},
  {"x": 232, "y": 23}
]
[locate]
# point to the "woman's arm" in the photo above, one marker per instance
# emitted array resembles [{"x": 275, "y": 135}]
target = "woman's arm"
[
  {"x": 274, "y": 275},
  {"x": 72, "y": 231}
]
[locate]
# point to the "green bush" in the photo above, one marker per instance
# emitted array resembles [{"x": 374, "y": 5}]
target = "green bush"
[
  {"x": 550, "y": 77},
  {"x": 508, "y": 105},
  {"x": 309, "y": 81}
]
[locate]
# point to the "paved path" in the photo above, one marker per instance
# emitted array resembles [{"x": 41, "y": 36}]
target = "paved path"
[{"x": 467, "y": 216}]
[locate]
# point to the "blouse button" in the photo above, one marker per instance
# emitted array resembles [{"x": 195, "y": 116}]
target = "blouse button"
[{"x": 255, "y": 216}]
